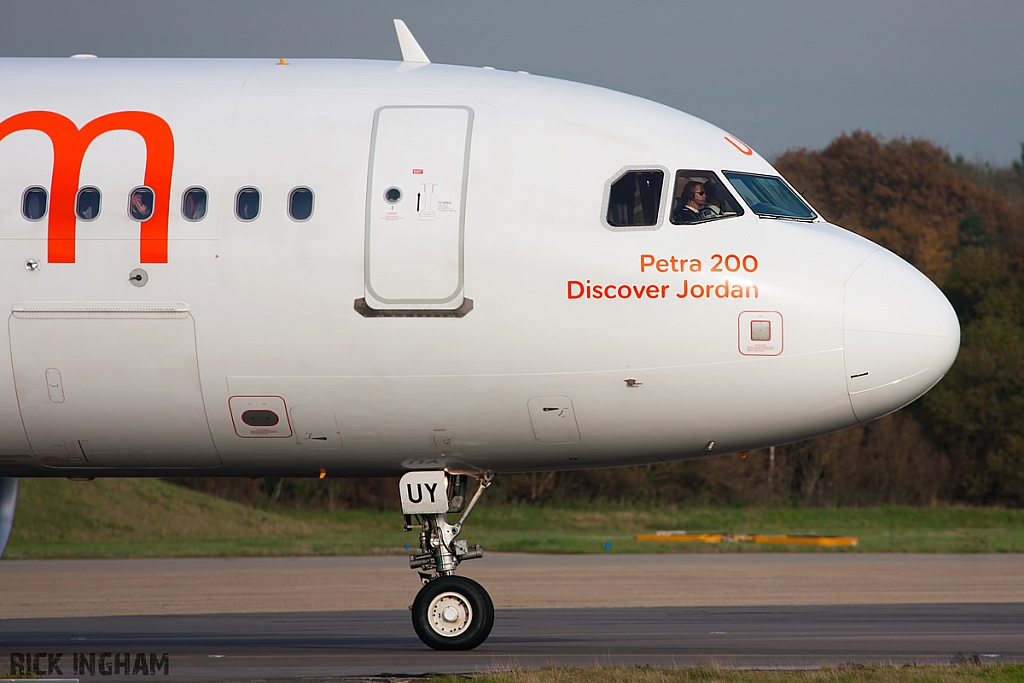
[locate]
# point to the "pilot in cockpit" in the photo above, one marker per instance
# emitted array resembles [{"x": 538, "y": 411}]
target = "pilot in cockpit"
[
  {"x": 690, "y": 203},
  {"x": 713, "y": 208},
  {"x": 699, "y": 197}
]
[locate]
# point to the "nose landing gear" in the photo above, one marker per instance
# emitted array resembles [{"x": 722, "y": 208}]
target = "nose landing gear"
[{"x": 450, "y": 612}]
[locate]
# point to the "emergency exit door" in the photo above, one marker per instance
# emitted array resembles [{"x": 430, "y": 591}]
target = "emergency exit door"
[{"x": 415, "y": 212}]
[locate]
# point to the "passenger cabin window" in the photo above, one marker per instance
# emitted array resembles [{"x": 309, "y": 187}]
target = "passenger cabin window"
[
  {"x": 700, "y": 197},
  {"x": 87, "y": 204},
  {"x": 193, "y": 204},
  {"x": 33, "y": 203},
  {"x": 634, "y": 200},
  {"x": 300, "y": 204},
  {"x": 769, "y": 196},
  {"x": 140, "y": 204},
  {"x": 247, "y": 204}
]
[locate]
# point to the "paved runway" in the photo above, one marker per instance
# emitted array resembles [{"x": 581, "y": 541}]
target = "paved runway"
[
  {"x": 292, "y": 617},
  {"x": 363, "y": 643}
]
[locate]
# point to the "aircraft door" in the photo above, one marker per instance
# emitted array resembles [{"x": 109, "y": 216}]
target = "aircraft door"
[{"x": 415, "y": 212}]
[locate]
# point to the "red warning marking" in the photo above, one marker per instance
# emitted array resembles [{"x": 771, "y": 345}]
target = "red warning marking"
[{"x": 417, "y": 171}]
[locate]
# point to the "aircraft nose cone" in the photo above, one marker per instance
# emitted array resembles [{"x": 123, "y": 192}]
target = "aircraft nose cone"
[{"x": 901, "y": 335}]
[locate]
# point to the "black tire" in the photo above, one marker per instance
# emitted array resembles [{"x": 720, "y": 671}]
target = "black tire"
[{"x": 453, "y": 613}]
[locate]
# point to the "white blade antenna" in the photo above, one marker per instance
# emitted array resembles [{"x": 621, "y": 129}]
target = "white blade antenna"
[{"x": 411, "y": 50}]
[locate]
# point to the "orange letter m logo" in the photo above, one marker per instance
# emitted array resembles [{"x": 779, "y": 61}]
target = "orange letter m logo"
[{"x": 69, "y": 147}]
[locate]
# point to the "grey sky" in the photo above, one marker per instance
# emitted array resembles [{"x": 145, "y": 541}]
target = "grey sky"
[{"x": 777, "y": 73}]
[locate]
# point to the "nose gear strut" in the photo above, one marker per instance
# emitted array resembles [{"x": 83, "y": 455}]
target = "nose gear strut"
[{"x": 450, "y": 612}]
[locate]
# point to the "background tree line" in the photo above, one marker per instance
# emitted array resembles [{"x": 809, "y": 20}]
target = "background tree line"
[{"x": 960, "y": 223}]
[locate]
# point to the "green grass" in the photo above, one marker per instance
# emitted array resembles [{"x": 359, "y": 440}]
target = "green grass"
[
  {"x": 882, "y": 529},
  {"x": 998, "y": 673},
  {"x": 150, "y": 518}
]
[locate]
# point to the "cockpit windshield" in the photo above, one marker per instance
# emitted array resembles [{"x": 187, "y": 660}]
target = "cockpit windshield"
[{"x": 769, "y": 196}]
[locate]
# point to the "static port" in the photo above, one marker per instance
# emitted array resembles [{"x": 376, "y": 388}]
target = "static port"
[{"x": 260, "y": 418}]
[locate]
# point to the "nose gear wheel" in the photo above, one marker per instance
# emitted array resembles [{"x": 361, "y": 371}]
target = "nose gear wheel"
[{"x": 453, "y": 613}]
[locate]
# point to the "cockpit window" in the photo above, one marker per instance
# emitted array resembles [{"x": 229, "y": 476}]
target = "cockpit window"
[
  {"x": 769, "y": 196},
  {"x": 634, "y": 199},
  {"x": 700, "y": 197}
]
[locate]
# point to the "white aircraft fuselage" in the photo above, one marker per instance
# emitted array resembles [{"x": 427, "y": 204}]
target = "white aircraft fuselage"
[{"x": 459, "y": 297}]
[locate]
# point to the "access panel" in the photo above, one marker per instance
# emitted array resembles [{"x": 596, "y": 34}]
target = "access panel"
[
  {"x": 415, "y": 212},
  {"x": 553, "y": 419},
  {"x": 107, "y": 385}
]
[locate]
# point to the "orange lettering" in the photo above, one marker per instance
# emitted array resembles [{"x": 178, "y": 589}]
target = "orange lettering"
[{"x": 69, "y": 146}]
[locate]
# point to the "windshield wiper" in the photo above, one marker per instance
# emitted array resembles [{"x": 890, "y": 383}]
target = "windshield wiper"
[{"x": 785, "y": 218}]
